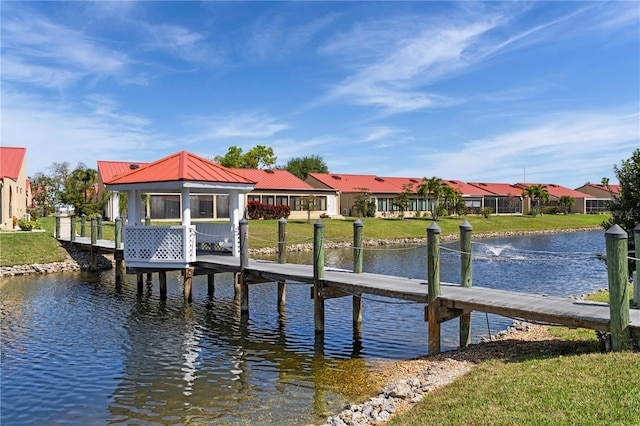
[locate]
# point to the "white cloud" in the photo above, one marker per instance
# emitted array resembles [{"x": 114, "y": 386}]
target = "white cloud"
[
  {"x": 573, "y": 146},
  {"x": 250, "y": 125}
]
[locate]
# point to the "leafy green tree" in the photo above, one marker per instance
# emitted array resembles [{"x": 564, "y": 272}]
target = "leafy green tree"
[
  {"x": 80, "y": 190},
  {"x": 43, "y": 197},
  {"x": 538, "y": 194},
  {"x": 566, "y": 201},
  {"x": 258, "y": 157},
  {"x": 431, "y": 190},
  {"x": 302, "y": 166},
  {"x": 59, "y": 174},
  {"x": 232, "y": 159},
  {"x": 403, "y": 200},
  {"x": 452, "y": 199},
  {"x": 361, "y": 202},
  {"x": 625, "y": 206}
]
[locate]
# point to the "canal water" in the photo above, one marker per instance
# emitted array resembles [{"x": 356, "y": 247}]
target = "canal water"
[{"x": 75, "y": 351}]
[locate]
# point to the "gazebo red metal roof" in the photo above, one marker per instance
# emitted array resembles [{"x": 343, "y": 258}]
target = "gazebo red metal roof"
[{"x": 181, "y": 166}]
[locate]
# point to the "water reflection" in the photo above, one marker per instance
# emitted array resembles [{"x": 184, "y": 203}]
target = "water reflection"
[{"x": 89, "y": 354}]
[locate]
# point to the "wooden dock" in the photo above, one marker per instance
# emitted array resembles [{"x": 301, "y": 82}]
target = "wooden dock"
[
  {"x": 443, "y": 301},
  {"x": 342, "y": 282}
]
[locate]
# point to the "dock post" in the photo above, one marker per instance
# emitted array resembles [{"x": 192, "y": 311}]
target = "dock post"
[
  {"x": 282, "y": 258},
  {"x": 119, "y": 254},
  {"x": 466, "y": 272},
  {"x": 72, "y": 232},
  {"x": 99, "y": 226},
  {"x": 140, "y": 279},
  {"x": 618, "y": 274},
  {"x": 187, "y": 275},
  {"x": 244, "y": 262},
  {"x": 211, "y": 286},
  {"x": 94, "y": 240},
  {"x": 57, "y": 233},
  {"x": 318, "y": 276},
  {"x": 162, "y": 278},
  {"x": 83, "y": 225},
  {"x": 358, "y": 227},
  {"x": 433, "y": 272},
  {"x": 636, "y": 281}
]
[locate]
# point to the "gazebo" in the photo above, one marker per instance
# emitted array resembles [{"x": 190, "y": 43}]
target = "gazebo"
[{"x": 174, "y": 247}]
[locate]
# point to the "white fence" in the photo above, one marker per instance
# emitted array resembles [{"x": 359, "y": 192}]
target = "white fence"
[{"x": 159, "y": 246}]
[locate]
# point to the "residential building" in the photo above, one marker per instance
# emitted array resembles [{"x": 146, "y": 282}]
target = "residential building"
[
  {"x": 280, "y": 187},
  {"x": 14, "y": 187},
  {"x": 601, "y": 195},
  {"x": 503, "y": 198},
  {"x": 555, "y": 192}
]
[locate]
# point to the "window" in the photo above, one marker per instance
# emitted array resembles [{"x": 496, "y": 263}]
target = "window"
[
  {"x": 201, "y": 206},
  {"x": 222, "y": 206},
  {"x": 282, "y": 200},
  {"x": 165, "y": 207}
]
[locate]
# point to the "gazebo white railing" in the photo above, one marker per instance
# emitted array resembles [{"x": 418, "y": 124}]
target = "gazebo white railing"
[{"x": 159, "y": 246}]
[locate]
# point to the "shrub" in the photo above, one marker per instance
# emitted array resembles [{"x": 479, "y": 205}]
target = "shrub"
[
  {"x": 257, "y": 210},
  {"x": 486, "y": 212},
  {"x": 28, "y": 225},
  {"x": 550, "y": 210}
]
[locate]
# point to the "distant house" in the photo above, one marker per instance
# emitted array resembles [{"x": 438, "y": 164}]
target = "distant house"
[
  {"x": 14, "y": 187},
  {"x": 503, "y": 198},
  {"x": 383, "y": 191},
  {"x": 555, "y": 192},
  {"x": 271, "y": 187},
  {"x": 280, "y": 187},
  {"x": 600, "y": 193}
]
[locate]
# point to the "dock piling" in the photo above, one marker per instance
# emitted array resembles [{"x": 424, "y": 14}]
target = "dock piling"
[
  {"x": 83, "y": 225},
  {"x": 357, "y": 269},
  {"x": 618, "y": 273},
  {"x": 636, "y": 281},
  {"x": 72, "y": 232},
  {"x": 465, "y": 278},
  {"x": 94, "y": 240},
  {"x": 433, "y": 273},
  {"x": 57, "y": 232},
  {"x": 99, "y": 219},
  {"x": 318, "y": 276},
  {"x": 282, "y": 258},
  {"x": 244, "y": 262}
]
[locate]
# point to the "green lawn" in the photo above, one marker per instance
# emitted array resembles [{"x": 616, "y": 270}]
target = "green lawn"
[{"x": 584, "y": 387}]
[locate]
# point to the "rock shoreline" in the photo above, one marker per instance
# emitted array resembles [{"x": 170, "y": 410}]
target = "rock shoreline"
[{"x": 77, "y": 260}]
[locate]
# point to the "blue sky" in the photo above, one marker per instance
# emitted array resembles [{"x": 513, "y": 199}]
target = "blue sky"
[{"x": 496, "y": 92}]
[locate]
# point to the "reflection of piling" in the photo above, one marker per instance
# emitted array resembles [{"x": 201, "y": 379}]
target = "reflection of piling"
[
  {"x": 244, "y": 262},
  {"x": 465, "y": 278},
  {"x": 618, "y": 273},
  {"x": 119, "y": 254}
]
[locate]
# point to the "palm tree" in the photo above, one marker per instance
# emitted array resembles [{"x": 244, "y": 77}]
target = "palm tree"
[
  {"x": 566, "y": 201},
  {"x": 537, "y": 194},
  {"x": 431, "y": 189}
]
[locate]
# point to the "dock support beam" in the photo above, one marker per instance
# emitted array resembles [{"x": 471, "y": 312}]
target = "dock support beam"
[
  {"x": 357, "y": 269},
  {"x": 282, "y": 258},
  {"x": 72, "y": 220},
  {"x": 618, "y": 273},
  {"x": 58, "y": 227},
  {"x": 433, "y": 273},
  {"x": 187, "y": 274},
  {"x": 83, "y": 225},
  {"x": 119, "y": 258},
  {"x": 465, "y": 278},
  {"x": 244, "y": 262},
  {"x": 162, "y": 279},
  {"x": 211, "y": 286},
  {"x": 318, "y": 277}
]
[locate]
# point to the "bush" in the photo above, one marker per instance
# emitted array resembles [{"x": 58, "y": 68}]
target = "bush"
[
  {"x": 486, "y": 212},
  {"x": 257, "y": 210},
  {"x": 28, "y": 225},
  {"x": 550, "y": 210}
]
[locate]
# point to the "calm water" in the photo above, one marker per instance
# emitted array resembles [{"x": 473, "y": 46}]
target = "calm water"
[{"x": 74, "y": 351}]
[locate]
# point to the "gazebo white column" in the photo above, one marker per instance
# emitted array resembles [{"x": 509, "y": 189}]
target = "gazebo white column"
[
  {"x": 186, "y": 207},
  {"x": 235, "y": 204},
  {"x": 134, "y": 207}
]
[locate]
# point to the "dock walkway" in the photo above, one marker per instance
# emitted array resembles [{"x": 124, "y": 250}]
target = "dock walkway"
[{"x": 532, "y": 307}]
